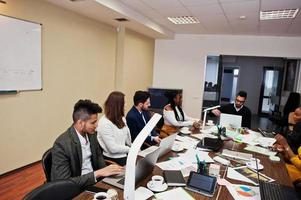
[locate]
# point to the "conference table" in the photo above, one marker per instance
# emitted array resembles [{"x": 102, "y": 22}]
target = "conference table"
[{"x": 274, "y": 170}]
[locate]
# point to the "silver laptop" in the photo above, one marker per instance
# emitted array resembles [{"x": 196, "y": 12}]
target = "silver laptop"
[
  {"x": 144, "y": 167},
  {"x": 228, "y": 120},
  {"x": 164, "y": 147}
]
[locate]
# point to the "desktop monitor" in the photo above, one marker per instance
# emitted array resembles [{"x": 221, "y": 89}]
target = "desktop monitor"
[{"x": 158, "y": 98}]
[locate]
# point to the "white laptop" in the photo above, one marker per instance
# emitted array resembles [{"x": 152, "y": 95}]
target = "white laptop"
[
  {"x": 164, "y": 147},
  {"x": 228, "y": 120},
  {"x": 144, "y": 167}
]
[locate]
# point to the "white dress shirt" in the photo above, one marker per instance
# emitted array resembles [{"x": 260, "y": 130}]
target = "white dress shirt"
[
  {"x": 86, "y": 153},
  {"x": 114, "y": 141},
  {"x": 170, "y": 118}
]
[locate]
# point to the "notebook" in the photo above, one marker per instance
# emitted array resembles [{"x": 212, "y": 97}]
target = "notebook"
[{"x": 174, "y": 178}]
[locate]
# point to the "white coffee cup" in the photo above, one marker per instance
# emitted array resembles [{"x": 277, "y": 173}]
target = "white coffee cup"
[
  {"x": 102, "y": 196},
  {"x": 157, "y": 181},
  {"x": 113, "y": 194},
  {"x": 185, "y": 128}
]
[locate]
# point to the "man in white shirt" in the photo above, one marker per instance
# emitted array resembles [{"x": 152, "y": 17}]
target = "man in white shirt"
[{"x": 76, "y": 154}]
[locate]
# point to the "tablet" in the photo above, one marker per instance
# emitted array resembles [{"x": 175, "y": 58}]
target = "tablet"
[{"x": 202, "y": 184}]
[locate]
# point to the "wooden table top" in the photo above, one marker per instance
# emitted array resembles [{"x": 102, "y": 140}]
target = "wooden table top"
[{"x": 275, "y": 170}]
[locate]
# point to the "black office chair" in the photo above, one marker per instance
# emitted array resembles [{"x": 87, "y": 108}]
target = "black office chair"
[
  {"x": 46, "y": 162},
  {"x": 59, "y": 189}
]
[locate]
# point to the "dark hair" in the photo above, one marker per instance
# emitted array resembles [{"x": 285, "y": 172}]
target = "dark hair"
[
  {"x": 140, "y": 97},
  {"x": 170, "y": 96},
  {"x": 242, "y": 94},
  {"x": 83, "y": 109},
  {"x": 114, "y": 108},
  {"x": 292, "y": 103}
]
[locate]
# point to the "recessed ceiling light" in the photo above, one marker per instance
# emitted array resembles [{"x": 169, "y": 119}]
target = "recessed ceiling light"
[
  {"x": 242, "y": 17},
  {"x": 183, "y": 20},
  {"x": 278, "y": 14}
]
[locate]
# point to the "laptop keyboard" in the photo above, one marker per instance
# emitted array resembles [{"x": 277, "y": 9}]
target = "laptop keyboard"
[{"x": 270, "y": 191}]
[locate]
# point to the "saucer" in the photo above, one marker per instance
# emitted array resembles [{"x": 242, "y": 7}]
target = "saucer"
[
  {"x": 209, "y": 124},
  {"x": 260, "y": 166},
  {"x": 185, "y": 131},
  {"x": 163, "y": 188}
]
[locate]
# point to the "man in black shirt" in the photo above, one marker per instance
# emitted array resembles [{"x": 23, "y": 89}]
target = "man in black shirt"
[{"x": 237, "y": 108}]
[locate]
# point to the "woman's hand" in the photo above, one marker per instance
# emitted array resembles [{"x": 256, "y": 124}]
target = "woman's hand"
[{"x": 281, "y": 140}]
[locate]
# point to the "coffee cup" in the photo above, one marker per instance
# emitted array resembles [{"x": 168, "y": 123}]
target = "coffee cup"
[
  {"x": 102, "y": 196},
  {"x": 113, "y": 194},
  {"x": 157, "y": 181},
  {"x": 210, "y": 121}
]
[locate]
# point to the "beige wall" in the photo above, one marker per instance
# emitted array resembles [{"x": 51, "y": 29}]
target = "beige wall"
[
  {"x": 137, "y": 64},
  {"x": 78, "y": 61}
]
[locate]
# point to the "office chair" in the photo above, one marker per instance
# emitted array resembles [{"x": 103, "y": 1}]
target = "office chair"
[
  {"x": 59, "y": 189},
  {"x": 46, "y": 162}
]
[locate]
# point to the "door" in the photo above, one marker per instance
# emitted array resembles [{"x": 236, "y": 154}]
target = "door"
[
  {"x": 212, "y": 87},
  {"x": 270, "y": 90}
]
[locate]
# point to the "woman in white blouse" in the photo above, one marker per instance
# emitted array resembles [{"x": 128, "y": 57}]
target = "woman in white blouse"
[
  {"x": 174, "y": 116},
  {"x": 112, "y": 132}
]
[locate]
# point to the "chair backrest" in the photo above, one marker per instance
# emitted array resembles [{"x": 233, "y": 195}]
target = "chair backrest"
[
  {"x": 59, "y": 189},
  {"x": 47, "y": 162}
]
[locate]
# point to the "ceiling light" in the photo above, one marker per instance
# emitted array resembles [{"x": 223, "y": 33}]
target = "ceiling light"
[
  {"x": 183, "y": 20},
  {"x": 242, "y": 17},
  {"x": 278, "y": 14}
]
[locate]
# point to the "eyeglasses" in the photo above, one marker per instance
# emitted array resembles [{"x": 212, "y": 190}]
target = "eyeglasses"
[{"x": 238, "y": 101}]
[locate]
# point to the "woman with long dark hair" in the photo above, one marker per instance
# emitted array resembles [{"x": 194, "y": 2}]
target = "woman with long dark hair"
[
  {"x": 174, "y": 116},
  {"x": 112, "y": 132}
]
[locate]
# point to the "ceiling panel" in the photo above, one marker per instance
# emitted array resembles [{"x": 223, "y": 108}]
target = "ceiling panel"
[
  {"x": 215, "y": 16},
  {"x": 279, "y": 4},
  {"x": 208, "y": 10},
  {"x": 241, "y": 8},
  {"x": 197, "y": 2},
  {"x": 159, "y": 4}
]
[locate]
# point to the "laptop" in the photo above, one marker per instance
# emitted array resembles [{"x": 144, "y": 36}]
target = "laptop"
[
  {"x": 275, "y": 191},
  {"x": 228, "y": 120},
  {"x": 144, "y": 167},
  {"x": 164, "y": 147}
]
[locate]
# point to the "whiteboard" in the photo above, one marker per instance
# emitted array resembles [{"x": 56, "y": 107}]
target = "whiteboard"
[{"x": 20, "y": 55}]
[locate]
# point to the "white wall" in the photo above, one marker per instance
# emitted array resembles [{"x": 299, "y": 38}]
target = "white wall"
[
  {"x": 250, "y": 76},
  {"x": 180, "y": 63}
]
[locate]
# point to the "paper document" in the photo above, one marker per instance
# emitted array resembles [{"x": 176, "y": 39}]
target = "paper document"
[
  {"x": 265, "y": 141},
  {"x": 143, "y": 193},
  {"x": 237, "y": 155},
  {"x": 244, "y": 192},
  {"x": 176, "y": 163},
  {"x": 247, "y": 175},
  {"x": 187, "y": 142},
  {"x": 178, "y": 193},
  {"x": 260, "y": 150}
]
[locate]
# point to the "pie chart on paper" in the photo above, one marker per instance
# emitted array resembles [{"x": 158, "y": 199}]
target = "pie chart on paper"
[{"x": 245, "y": 191}]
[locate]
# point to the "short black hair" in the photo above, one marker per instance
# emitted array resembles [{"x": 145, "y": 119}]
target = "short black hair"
[
  {"x": 140, "y": 97},
  {"x": 83, "y": 109},
  {"x": 242, "y": 94}
]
